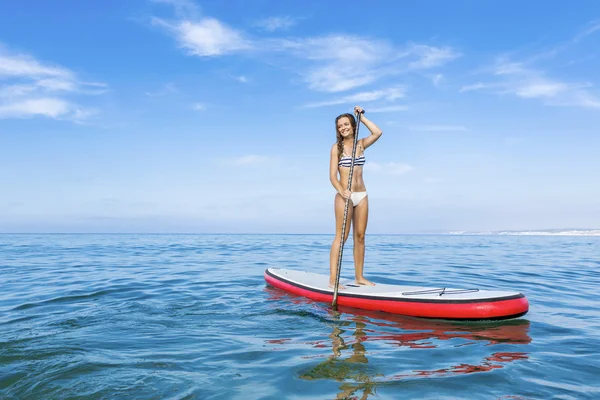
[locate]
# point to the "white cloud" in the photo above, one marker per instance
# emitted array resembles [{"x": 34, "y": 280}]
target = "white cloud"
[
  {"x": 339, "y": 48},
  {"x": 21, "y": 65},
  {"x": 593, "y": 27},
  {"x": 57, "y": 85},
  {"x": 336, "y": 63},
  {"x": 275, "y": 23},
  {"x": 346, "y": 62},
  {"x": 477, "y": 86},
  {"x": 47, "y": 107},
  {"x": 31, "y": 89},
  {"x": 338, "y": 78},
  {"x": 540, "y": 88},
  {"x": 589, "y": 101},
  {"x": 429, "y": 57},
  {"x": 199, "y": 107},
  {"x": 207, "y": 37},
  {"x": 331, "y": 63},
  {"x": 390, "y": 94},
  {"x": 526, "y": 82}
]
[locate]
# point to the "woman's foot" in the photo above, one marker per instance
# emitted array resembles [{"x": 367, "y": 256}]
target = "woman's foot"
[
  {"x": 363, "y": 281},
  {"x": 332, "y": 285}
]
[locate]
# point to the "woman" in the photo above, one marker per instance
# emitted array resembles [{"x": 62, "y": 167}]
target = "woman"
[{"x": 358, "y": 208}]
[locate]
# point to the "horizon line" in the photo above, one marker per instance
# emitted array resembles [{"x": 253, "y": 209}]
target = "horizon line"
[{"x": 457, "y": 232}]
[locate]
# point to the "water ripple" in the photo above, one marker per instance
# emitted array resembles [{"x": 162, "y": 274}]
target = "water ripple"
[{"x": 190, "y": 317}]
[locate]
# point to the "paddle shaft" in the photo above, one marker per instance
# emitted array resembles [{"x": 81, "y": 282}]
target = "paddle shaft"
[{"x": 339, "y": 263}]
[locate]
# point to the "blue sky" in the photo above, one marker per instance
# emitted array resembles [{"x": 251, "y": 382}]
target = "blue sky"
[{"x": 218, "y": 116}]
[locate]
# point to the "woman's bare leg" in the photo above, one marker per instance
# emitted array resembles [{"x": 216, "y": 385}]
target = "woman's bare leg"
[
  {"x": 359, "y": 223},
  {"x": 339, "y": 204}
]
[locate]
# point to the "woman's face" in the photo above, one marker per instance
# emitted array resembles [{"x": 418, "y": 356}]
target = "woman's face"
[{"x": 344, "y": 127}]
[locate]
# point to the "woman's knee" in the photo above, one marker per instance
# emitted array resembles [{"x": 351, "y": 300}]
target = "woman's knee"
[
  {"x": 337, "y": 238},
  {"x": 359, "y": 237}
]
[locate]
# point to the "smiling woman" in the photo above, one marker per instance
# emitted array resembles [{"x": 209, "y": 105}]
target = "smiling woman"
[{"x": 344, "y": 159}]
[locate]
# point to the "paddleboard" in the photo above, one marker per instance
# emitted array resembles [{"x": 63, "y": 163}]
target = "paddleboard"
[{"x": 415, "y": 301}]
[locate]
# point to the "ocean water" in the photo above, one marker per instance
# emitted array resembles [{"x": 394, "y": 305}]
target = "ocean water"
[{"x": 190, "y": 317}]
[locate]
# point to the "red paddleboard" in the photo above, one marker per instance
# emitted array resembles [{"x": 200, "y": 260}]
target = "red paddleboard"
[{"x": 414, "y": 301}]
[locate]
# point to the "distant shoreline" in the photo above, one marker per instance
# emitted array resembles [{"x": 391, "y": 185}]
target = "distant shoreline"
[{"x": 545, "y": 232}]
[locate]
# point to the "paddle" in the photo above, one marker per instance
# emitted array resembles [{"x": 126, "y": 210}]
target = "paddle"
[{"x": 339, "y": 264}]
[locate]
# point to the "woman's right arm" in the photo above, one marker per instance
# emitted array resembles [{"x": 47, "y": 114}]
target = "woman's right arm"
[{"x": 333, "y": 172}]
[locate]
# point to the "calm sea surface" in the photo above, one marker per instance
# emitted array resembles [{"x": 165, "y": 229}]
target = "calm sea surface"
[{"x": 190, "y": 317}]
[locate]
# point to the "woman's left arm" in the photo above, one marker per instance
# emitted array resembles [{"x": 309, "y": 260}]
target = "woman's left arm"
[{"x": 375, "y": 132}]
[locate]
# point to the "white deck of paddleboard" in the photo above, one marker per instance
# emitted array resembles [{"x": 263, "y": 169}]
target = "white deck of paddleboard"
[{"x": 311, "y": 280}]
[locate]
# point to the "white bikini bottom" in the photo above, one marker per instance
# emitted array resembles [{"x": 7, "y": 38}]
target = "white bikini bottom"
[{"x": 357, "y": 197}]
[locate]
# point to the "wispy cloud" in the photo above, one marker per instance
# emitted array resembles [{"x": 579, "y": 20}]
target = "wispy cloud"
[
  {"x": 517, "y": 79},
  {"x": 23, "y": 65},
  {"x": 524, "y": 78},
  {"x": 429, "y": 56},
  {"x": 199, "y": 106},
  {"x": 389, "y": 94},
  {"x": 592, "y": 27},
  {"x": 438, "y": 128},
  {"x": 276, "y": 23},
  {"x": 331, "y": 63},
  {"x": 564, "y": 46},
  {"x": 31, "y": 88},
  {"x": 479, "y": 86},
  {"x": 47, "y": 107},
  {"x": 206, "y": 37},
  {"x": 390, "y": 168},
  {"x": 340, "y": 62}
]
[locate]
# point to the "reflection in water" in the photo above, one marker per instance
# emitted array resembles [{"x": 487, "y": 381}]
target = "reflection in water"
[
  {"x": 353, "y": 329},
  {"x": 486, "y": 365},
  {"x": 425, "y": 331},
  {"x": 353, "y": 367}
]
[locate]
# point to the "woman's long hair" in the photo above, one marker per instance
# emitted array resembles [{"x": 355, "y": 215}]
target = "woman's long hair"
[{"x": 340, "y": 139}]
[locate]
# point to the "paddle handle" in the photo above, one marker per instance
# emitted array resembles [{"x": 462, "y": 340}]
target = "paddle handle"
[{"x": 339, "y": 263}]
